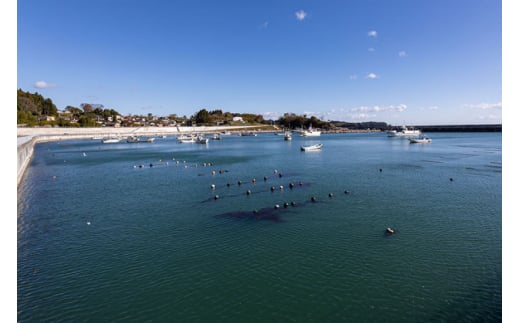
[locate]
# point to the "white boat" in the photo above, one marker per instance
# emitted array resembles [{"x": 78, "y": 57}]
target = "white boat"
[
  {"x": 111, "y": 140},
  {"x": 405, "y": 132},
  {"x": 134, "y": 139},
  {"x": 310, "y": 132},
  {"x": 420, "y": 140},
  {"x": 200, "y": 139},
  {"x": 287, "y": 136},
  {"x": 217, "y": 136},
  {"x": 311, "y": 147},
  {"x": 186, "y": 139}
]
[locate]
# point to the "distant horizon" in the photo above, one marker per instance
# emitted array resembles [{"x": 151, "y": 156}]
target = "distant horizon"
[{"x": 351, "y": 62}]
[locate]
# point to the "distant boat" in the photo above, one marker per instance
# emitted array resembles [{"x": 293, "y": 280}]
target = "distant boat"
[
  {"x": 134, "y": 139},
  {"x": 311, "y": 147},
  {"x": 405, "y": 132},
  {"x": 217, "y": 136},
  {"x": 248, "y": 133},
  {"x": 186, "y": 139},
  {"x": 200, "y": 139},
  {"x": 111, "y": 140},
  {"x": 310, "y": 132},
  {"x": 287, "y": 136},
  {"x": 420, "y": 140}
]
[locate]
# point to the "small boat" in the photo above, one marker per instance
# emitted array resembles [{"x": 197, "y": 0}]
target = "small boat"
[
  {"x": 186, "y": 139},
  {"x": 311, "y": 147},
  {"x": 287, "y": 136},
  {"x": 420, "y": 140},
  {"x": 217, "y": 136},
  {"x": 310, "y": 132},
  {"x": 134, "y": 139},
  {"x": 248, "y": 134},
  {"x": 201, "y": 139},
  {"x": 111, "y": 140},
  {"x": 405, "y": 132}
]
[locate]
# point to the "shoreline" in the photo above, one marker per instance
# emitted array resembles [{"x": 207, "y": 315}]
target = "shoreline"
[{"x": 27, "y": 138}]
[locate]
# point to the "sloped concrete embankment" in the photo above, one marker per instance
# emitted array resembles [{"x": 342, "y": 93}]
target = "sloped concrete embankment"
[{"x": 25, "y": 152}]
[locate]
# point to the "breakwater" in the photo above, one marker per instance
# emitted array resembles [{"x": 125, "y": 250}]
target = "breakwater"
[
  {"x": 462, "y": 128},
  {"x": 25, "y": 151},
  {"x": 28, "y": 137}
]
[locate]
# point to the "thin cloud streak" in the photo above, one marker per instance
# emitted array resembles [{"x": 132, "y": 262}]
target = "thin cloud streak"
[
  {"x": 484, "y": 106},
  {"x": 376, "y": 108},
  {"x": 264, "y": 25}
]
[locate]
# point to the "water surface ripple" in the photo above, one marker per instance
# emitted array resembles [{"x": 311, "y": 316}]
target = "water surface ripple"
[{"x": 252, "y": 229}]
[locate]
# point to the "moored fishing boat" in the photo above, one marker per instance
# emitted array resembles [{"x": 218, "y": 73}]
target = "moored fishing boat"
[
  {"x": 134, "y": 139},
  {"x": 310, "y": 132},
  {"x": 186, "y": 139},
  {"x": 405, "y": 132},
  {"x": 200, "y": 139},
  {"x": 420, "y": 140},
  {"x": 111, "y": 140},
  {"x": 311, "y": 147}
]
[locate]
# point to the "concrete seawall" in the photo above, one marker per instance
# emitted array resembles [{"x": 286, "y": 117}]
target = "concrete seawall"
[
  {"x": 25, "y": 152},
  {"x": 28, "y": 137}
]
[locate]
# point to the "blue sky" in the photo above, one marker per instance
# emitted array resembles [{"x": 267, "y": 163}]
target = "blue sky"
[{"x": 401, "y": 62}]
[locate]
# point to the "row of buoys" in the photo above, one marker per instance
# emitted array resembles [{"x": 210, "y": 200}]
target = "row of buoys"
[
  {"x": 313, "y": 199},
  {"x": 281, "y": 187},
  {"x": 285, "y": 205},
  {"x": 177, "y": 162}
]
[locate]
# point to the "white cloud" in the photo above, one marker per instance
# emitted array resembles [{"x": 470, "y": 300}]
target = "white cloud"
[
  {"x": 402, "y": 54},
  {"x": 371, "y": 49},
  {"x": 377, "y": 108},
  {"x": 264, "y": 25},
  {"x": 353, "y": 77},
  {"x": 490, "y": 117},
  {"x": 372, "y": 33},
  {"x": 371, "y": 76},
  {"x": 43, "y": 85},
  {"x": 271, "y": 115},
  {"x": 361, "y": 116},
  {"x": 300, "y": 15},
  {"x": 484, "y": 106}
]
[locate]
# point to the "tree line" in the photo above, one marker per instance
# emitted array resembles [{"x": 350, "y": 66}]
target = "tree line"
[{"x": 35, "y": 110}]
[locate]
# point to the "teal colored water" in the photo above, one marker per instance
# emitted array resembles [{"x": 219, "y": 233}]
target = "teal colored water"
[{"x": 101, "y": 239}]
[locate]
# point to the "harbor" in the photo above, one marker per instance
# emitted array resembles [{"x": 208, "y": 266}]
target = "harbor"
[{"x": 171, "y": 232}]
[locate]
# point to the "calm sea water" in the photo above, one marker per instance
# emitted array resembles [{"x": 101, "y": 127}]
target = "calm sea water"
[{"x": 101, "y": 239}]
